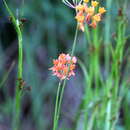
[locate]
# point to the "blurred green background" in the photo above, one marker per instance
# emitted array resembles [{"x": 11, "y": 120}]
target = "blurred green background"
[{"x": 48, "y": 31}]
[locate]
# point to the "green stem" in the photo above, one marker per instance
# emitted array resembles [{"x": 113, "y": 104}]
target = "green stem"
[
  {"x": 108, "y": 116},
  {"x": 19, "y": 33},
  {"x": 56, "y": 107},
  {"x": 116, "y": 114},
  {"x": 91, "y": 122},
  {"x": 60, "y": 100},
  {"x": 20, "y": 58},
  {"x": 107, "y": 34},
  {"x": 15, "y": 22},
  {"x": 74, "y": 43},
  {"x": 87, "y": 33},
  {"x": 18, "y": 91},
  {"x": 83, "y": 103},
  {"x": 58, "y": 104}
]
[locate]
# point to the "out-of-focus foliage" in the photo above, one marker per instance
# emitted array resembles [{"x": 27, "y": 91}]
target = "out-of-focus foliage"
[{"x": 48, "y": 31}]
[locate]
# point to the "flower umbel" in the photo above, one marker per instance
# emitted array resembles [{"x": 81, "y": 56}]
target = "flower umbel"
[
  {"x": 64, "y": 66},
  {"x": 86, "y": 14}
]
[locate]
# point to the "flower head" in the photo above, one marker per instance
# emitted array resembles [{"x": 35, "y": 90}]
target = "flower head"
[
  {"x": 90, "y": 10},
  {"x": 97, "y": 18},
  {"x": 94, "y": 3},
  {"x": 80, "y": 18},
  {"x": 80, "y": 7},
  {"x": 64, "y": 66},
  {"x": 86, "y": 14},
  {"x": 102, "y": 10}
]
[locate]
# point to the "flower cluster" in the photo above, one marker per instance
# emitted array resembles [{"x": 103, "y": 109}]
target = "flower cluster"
[
  {"x": 86, "y": 14},
  {"x": 64, "y": 66}
]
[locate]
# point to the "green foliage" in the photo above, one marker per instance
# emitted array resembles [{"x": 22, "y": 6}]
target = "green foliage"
[{"x": 103, "y": 68}]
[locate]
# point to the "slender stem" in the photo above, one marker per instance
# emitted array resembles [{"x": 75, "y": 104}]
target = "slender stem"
[
  {"x": 19, "y": 33},
  {"x": 107, "y": 34},
  {"x": 20, "y": 66},
  {"x": 91, "y": 122},
  {"x": 20, "y": 58},
  {"x": 74, "y": 43},
  {"x": 58, "y": 104},
  {"x": 56, "y": 107},
  {"x": 16, "y": 118},
  {"x": 116, "y": 114},
  {"x": 15, "y": 22},
  {"x": 108, "y": 116},
  {"x": 87, "y": 33}
]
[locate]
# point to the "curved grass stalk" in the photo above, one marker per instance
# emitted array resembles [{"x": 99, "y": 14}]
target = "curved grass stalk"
[{"x": 18, "y": 92}]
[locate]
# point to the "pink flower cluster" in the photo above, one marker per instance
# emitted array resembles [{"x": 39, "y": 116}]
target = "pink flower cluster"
[{"x": 64, "y": 66}]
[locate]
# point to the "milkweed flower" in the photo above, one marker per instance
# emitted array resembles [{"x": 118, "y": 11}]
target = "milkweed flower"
[
  {"x": 64, "y": 66},
  {"x": 94, "y": 3},
  {"x": 86, "y": 13}
]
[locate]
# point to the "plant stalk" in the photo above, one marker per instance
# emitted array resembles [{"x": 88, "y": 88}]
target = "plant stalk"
[{"x": 18, "y": 91}]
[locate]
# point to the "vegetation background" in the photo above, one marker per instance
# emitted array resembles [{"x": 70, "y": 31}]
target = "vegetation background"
[{"x": 48, "y": 31}]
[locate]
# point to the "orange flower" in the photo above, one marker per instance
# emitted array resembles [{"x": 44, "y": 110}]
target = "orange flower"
[
  {"x": 64, "y": 66},
  {"x": 94, "y": 3},
  {"x": 90, "y": 10},
  {"x": 102, "y": 10},
  {"x": 80, "y": 17},
  {"x": 97, "y": 17},
  {"x": 80, "y": 7},
  {"x": 86, "y": 14}
]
